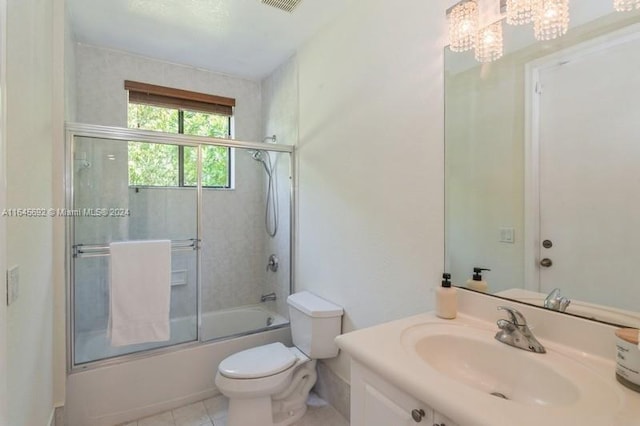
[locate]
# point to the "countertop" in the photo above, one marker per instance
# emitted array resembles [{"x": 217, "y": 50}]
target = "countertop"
[{"x": 380, "y": 349}]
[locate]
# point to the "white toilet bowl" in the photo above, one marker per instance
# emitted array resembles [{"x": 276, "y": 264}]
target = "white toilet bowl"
[{"x": 268, "y": 385}]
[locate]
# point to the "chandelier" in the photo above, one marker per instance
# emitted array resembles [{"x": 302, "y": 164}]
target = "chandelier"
[
  {"x": 520, "y": 12},
  {"x": 550, "y": 20},
  {"x": 626, "y": 5},
  {"x": 489, "y": 46},
  {"x": 463, "y": 26}
]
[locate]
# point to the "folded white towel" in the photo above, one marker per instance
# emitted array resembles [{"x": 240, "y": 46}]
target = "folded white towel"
[{"x": 140, "y": 292}]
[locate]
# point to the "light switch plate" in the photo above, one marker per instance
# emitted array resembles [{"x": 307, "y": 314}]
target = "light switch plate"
[
  {"x": 507, "y": 235},
  {"x": 13, "y": 284}
]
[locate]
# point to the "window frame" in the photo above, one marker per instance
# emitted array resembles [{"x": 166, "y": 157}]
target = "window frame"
[{"x": 183, "y": 100}]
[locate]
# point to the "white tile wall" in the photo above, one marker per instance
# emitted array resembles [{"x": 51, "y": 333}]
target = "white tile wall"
[
  {"x": 280, "y": 118},
  {"x": 235, "y": 245}
]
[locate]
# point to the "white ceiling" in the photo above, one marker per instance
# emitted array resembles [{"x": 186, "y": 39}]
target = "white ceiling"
[{"x": 239, "y": 37}]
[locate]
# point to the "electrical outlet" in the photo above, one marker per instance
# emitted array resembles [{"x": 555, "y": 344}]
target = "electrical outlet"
[{"x": 13, "y": 284}]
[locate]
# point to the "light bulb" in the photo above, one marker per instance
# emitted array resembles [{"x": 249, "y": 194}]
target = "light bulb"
[
  {"x": 489, "y": 46},
  {"x": 551, "y": 19},
  {"x": 463, "y": 24}
]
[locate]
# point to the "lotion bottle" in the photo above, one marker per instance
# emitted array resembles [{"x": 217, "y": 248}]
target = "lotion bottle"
[
  {"x": 446, "y": 299},
  {"x": 476, "y": 282}
]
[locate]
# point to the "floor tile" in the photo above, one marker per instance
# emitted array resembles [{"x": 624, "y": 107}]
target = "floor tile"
[
  {"x": 213, "y": 412},
  {"x": 322, "y": 416},
  {"x": 162, "y": 419},
  {"x": 192, "y": 415},
  {"x": 220, "y": 421},
  {"x": 217, "y": 407}
]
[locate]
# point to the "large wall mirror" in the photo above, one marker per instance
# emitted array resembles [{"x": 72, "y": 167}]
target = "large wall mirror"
[{"x": 543, "y": 166}]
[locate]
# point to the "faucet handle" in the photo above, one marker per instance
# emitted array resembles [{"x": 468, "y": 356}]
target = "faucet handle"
[{"x": 514, "y": 315}]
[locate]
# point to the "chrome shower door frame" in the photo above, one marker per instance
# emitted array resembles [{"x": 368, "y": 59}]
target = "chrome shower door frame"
[{"x": 74, "y": 130}]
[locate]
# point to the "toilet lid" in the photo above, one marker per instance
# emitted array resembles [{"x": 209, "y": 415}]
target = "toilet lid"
[{"x": 261, "y": 361}]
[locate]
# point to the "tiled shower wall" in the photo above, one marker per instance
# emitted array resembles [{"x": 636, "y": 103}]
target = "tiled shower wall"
[
  {"x": 235, "y": 245},
  {"x": 280, "y": 118}
]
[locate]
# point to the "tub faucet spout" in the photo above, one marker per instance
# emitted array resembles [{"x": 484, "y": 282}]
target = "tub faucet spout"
[{"x": 268, "y": 297}]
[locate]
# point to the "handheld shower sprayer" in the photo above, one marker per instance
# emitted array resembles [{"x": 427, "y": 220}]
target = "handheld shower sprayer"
[{"x": 271, "y": 208}]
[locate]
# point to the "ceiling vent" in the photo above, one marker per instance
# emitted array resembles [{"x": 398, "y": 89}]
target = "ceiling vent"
[{"x": 286, "y": 5}]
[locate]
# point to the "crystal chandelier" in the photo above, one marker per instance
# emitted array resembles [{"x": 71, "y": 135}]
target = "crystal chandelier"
[
  {"x": 489, "y": 45},
  {"x": 551, "y": 19},
  {"x": 626, "y": 5},
  {"x": 520, "y": 12},
  {"x": 463, "y": 25}
]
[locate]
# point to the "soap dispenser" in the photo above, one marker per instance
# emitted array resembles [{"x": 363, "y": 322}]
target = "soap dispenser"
[
  {"x": 446, "y": 299},
  {"x": 476, "y": 282}
]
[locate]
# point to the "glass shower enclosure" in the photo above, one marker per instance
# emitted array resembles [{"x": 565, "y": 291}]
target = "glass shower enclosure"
[{"x": 231, "y": 256}]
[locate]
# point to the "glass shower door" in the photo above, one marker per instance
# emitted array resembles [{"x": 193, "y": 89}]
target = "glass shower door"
[
  {"x": 109, "y": 207},
  {"x": 246, "y": 241}
]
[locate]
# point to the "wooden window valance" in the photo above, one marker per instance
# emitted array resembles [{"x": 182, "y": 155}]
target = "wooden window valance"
[{"x": 167, "y": 97}]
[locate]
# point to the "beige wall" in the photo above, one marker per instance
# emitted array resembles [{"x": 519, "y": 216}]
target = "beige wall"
[
  {"x": 3, "y": 225},
  {"x": 370, "y": 153},
  {"x": 30, "y": 91}
]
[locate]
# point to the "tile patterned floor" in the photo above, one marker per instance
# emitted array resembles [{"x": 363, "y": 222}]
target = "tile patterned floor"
[{"x": 213, "y": 412}]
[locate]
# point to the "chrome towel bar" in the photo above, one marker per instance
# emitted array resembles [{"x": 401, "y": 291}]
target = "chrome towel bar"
[{"x": 98, "y": 250}]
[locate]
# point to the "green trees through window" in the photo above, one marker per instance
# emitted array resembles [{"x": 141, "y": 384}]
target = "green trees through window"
[{"x": 170, "y": 165}]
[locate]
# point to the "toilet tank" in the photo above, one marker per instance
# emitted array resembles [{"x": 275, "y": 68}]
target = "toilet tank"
[{"x": 315, "y": 323}]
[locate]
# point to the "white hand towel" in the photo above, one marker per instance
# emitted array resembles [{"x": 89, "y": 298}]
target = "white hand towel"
[{"x": 140, "y": 292}]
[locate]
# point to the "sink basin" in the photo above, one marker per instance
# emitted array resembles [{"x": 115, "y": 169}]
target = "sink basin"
[{"x": 473, "y": 358}]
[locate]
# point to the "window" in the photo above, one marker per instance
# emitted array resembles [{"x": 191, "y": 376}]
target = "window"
[{"x": 178, "y": 111}]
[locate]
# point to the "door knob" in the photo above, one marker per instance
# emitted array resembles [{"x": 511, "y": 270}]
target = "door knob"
[{"x": 546, "y": 262}]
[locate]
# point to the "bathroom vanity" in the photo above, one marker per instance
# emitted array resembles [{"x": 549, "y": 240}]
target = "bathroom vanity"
[
  {"x": 426, "y": 370},
  {"x": 376, "y": 402}
]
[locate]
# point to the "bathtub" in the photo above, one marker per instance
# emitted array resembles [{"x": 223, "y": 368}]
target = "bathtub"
[
  {"x": 172, "y": 377},
  {"x": 235, "y": 321},
  {"x": 94, "y": 345}
]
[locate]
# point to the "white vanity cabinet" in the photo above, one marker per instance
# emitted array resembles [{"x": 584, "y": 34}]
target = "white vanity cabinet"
[
  {"x": 441, "y": 420},
  {"x": 375, "y": 402}
]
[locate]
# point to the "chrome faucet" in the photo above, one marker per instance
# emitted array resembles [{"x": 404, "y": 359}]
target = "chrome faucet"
[
  {"x": 516, "y": 333},
  {"x": 556, "y": 302},
  {"x": 266, "y": 297}
]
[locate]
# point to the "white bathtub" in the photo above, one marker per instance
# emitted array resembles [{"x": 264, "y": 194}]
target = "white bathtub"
[
  {"x": 120, "y": 392},
  {"x": 234, "y": 321},
  {"x": 94, "y": 345}
]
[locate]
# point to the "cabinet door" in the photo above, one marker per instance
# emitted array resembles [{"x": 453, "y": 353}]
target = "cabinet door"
[
  {"x": 440, "y": 420},
  {"x": 382, "y": 411},
  {"x": 377, "y": 403}
]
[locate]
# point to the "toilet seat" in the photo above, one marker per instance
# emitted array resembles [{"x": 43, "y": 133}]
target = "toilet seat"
[{"x": 258, "y": 362}]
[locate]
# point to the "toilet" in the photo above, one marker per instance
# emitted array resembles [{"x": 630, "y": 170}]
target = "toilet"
[{"x": 268, "y": 385}]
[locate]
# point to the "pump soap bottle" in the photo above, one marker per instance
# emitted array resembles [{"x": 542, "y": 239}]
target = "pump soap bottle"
[
  {"x": 446, "y": 299},
  {"x": 477, "y": 283}
]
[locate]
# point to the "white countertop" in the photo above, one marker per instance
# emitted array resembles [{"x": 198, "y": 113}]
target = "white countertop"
[{"x": 380, "y": 349}]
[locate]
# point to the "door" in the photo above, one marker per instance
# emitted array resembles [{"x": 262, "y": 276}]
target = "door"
[{"x": 589, "y": 173}]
